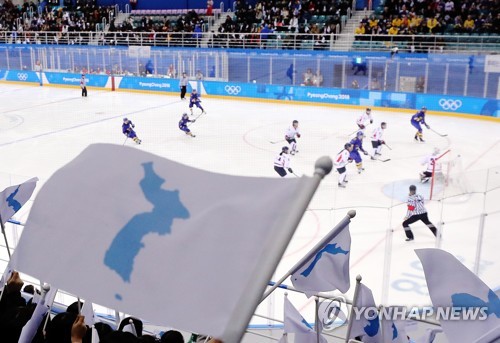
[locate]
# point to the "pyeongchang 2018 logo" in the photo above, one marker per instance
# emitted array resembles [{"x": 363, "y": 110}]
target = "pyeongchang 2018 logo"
[{"x": 450, "y": 104}]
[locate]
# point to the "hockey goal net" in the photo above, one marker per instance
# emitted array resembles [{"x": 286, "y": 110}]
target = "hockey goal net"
[{"x": 448, "y": 178}]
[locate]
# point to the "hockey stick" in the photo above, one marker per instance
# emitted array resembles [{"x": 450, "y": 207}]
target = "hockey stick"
[
  {"x": 388, "y": 147},
  {"x": 386, "y": 160},
  {"x": 274, "y": 142},
  {"x": 295, "y": 175},
  {"x": 125, "y": 141},
  {"x": 437, "y": 133},
  {"x": 202, "y": 113}
]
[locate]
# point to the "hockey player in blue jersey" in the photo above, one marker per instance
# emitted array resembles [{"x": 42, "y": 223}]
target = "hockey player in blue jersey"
[
  {"x": 128, "y": 130},
  {"x": 357, "y": 144},
  {"x": 417, "y": 120},
  {"x": 183, "y": 124},
  {"x": 194, "y": 99}
]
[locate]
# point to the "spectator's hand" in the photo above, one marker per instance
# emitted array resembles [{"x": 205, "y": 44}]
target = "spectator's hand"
[
  {"x": 14, "y": 284},
  {"x": 78, "y": 329}
]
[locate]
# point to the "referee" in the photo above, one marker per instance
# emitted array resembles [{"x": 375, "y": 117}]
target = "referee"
[
  {"x": 183, "y": 83},
  {"x": 416, "y": 212}
]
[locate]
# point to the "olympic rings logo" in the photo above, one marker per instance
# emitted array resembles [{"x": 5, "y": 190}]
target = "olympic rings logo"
[
  {"x": 22, "y": 76},
  {"x": 450, "y": 104},
  {"x": 232, "y": 90}
]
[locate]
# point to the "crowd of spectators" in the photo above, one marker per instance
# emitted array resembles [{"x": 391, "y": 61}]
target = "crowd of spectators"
[
  {"x": 30, "y": 23},
  {"x": 268, "y": 23},
  {"x": 84, "y": 16},
  {"x": 413, "y": 17},
  {"x": 69, "y": 326}
]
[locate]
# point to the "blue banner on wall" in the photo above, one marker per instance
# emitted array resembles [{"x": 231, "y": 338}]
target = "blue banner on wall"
[
  {"x": 149, "y": 84},
  {"x": 442, "y": 103},
  {"x": 74, "y": 79},
  {"x": 19, "y": 76}
]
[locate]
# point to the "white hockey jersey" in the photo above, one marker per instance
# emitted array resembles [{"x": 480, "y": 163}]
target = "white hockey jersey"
[
  {"x": 291, "y": 132},
  {"x": 282, "y": 160},
  {"x": 364, "y": 118},
  {"x": 377, "y": 134},
  {"x": 430, "y": 161},
  {"x": 342, "y": 158}
]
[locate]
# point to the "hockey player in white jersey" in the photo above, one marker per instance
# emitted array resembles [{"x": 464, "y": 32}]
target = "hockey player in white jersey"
[
  {"x": 431, "y": 166},
  {"x": 367, "y": 116},
  {"x": 341, "y": 160},
  {"x": 377, "y": 141},
  {"x": 290, "y": 134},
  {"x": 282, "y": 162}
]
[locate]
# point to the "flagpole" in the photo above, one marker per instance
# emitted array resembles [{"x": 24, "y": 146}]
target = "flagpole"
[
  {"x": 316, "y": 319},
  {"x": 320, "y": 245},
  {"x": 5, "y": 236},
  {"x": 281, "y": 321},
  {"x": 283, "y": 231},
  {"x": 351, "y": 315}
]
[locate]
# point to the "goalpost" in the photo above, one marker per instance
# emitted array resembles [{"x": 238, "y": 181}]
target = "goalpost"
[{"x": 447, "y": 173}]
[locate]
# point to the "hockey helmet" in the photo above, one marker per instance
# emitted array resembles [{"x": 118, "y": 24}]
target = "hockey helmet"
[
  {"x": 284, "y": 149},
  {"x": 347, "y": 145},
  {"x": 125, "y": 119},
  {"x": 184, "y": 115},
  {"x": 413, "y": 188},
  {"x": 360, "y": 134},
  {"x": 424, "y": 108},
  {"x": 368, "y": 109}
]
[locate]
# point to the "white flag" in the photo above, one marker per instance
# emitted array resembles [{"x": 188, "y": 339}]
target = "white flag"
[
  {"x": 6, "y": 275},
  {"x": 150, "y": 229},
  {"x": 14, "y": 197},
  {"x": 366, "y": 320},
  {"x": 295, "y": 323},
  {"x": 475, "y": 308},
  {"x": 95, "y": 335},
  {"x": 88, "y": 313},
  {"x": 393, "y": 331},
  {"x": 284, "y": 338},
  {"x": 42, "y": 307},
  {"x": 328, "y": 269},
  {"x": 430, "y": 335}
]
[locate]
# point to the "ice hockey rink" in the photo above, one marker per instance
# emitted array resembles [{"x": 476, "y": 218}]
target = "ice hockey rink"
[{"x": 42, "y": 128}]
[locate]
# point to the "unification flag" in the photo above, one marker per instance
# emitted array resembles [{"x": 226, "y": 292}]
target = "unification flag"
[
  {"x": 14, "y": 197},
  {"x": 393, "y": 331},
  {"x": 293, "y": 320},
  {"x": 153, "y": 231},
  {"x": 29, "y": 330},
  {"x": 295, "y": 323},
  {"x": 472, "y": 308},
  {"x": 430, "y": 336},
  {"x": 88, "y": 313},
  {"x": 327, "y": 269},
  {"x": 366, "y": 320}
]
